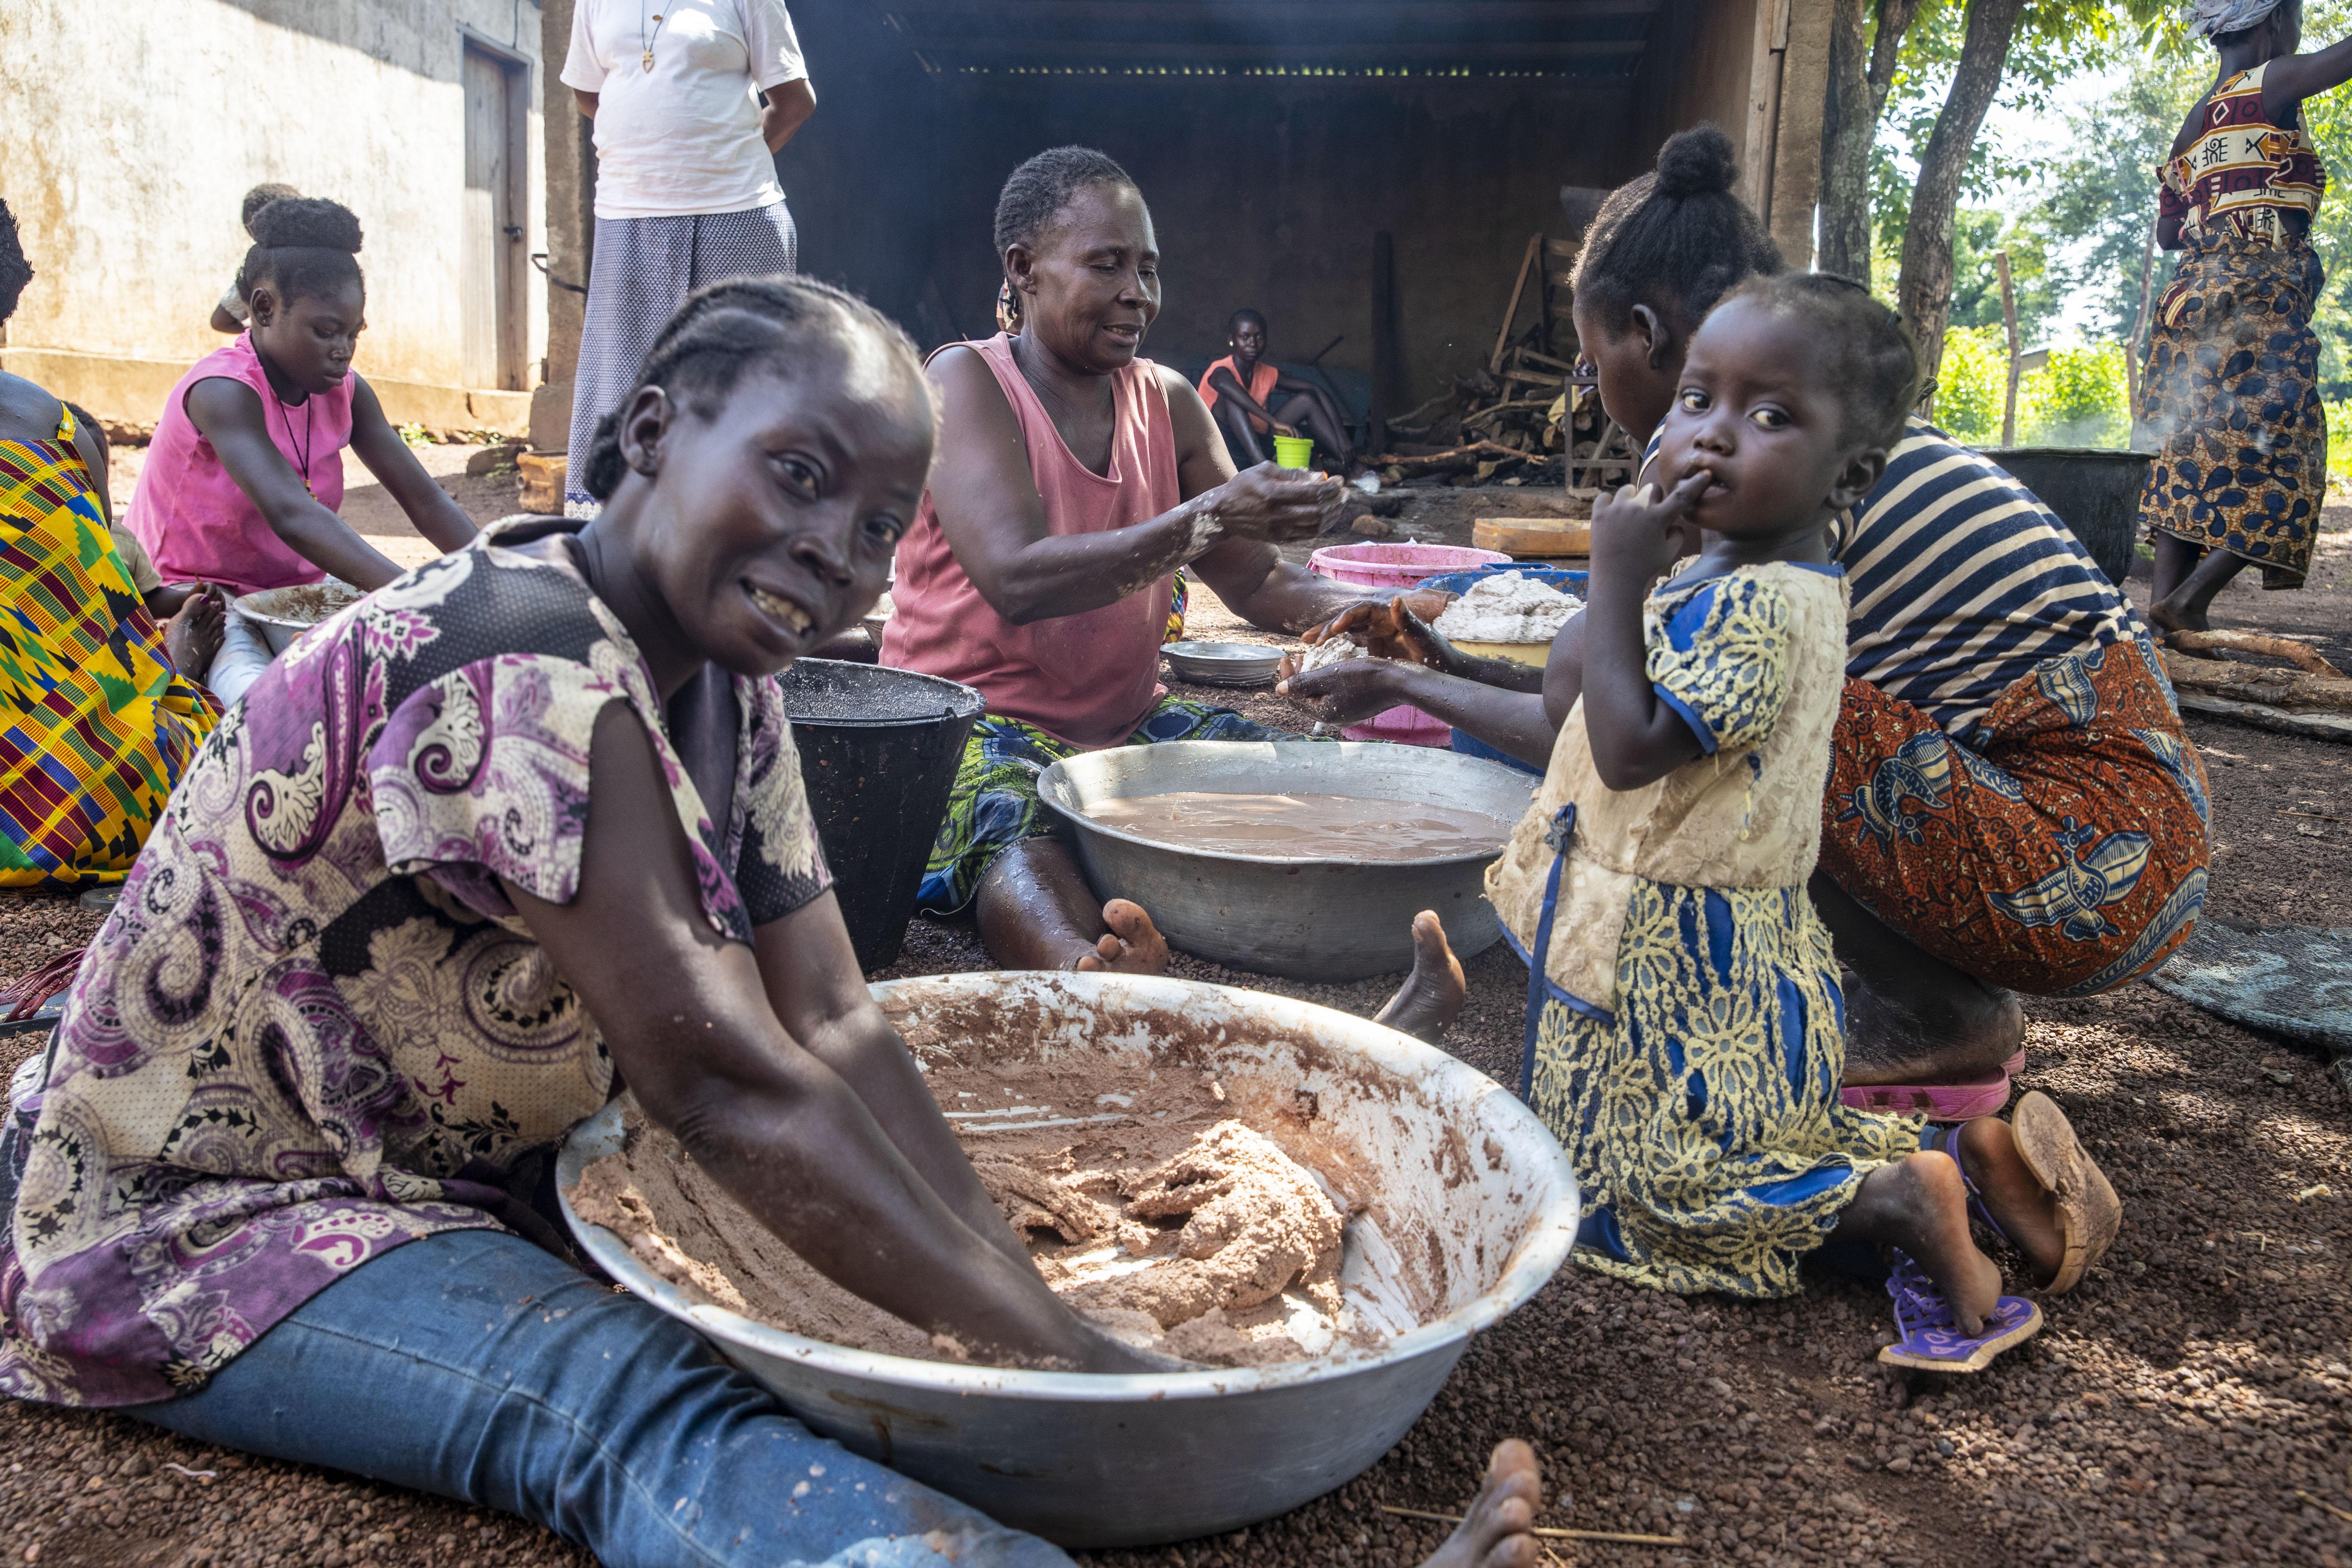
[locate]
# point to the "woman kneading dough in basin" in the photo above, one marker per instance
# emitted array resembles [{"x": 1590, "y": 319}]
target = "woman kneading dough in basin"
[
  {"x": 1073, "y": 479},
  {"x": 524, "y": 823}
]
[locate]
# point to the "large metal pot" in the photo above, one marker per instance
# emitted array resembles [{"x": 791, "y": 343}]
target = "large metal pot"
[
  {"x": 2095, "y": 490},
  {"x": 1310, "y": 920},
  {"x": 1090, "y": 1460}
]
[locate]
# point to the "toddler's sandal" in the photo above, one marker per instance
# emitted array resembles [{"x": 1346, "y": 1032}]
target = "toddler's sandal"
[
  {"x": 1933, "y": 1341},
  {"x": 2089, "y": 1213}
]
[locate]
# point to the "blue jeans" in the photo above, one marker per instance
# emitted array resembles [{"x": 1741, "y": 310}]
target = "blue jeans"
[{"x": 475, "y": 1365}]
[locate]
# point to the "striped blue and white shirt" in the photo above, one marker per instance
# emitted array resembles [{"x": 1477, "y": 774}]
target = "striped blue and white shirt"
[{"x": 1962, "y": 583}]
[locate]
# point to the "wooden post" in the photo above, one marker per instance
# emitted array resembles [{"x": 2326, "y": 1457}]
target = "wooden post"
[
  {"x": 1511, "y": 311},
  {"x": 1384, "y": 338},
  {"x": 2132, "y": 350},
  {"x": 2009, "y": 319}
]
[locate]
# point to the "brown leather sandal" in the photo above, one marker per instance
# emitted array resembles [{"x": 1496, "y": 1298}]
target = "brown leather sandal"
[{"x": 2089, "y": 1213}]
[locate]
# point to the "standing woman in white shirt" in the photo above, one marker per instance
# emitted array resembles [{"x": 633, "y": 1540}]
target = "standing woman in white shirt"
[{"x": 686, "y": 177}]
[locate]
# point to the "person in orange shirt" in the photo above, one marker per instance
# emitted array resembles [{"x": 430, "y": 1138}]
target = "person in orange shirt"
[{"x": 1243, "y": 389}]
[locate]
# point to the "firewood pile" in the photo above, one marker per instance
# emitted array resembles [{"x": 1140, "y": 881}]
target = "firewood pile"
[
  {"x": 1527, "y": 417},
  {"x": 2312, "y": 698}
]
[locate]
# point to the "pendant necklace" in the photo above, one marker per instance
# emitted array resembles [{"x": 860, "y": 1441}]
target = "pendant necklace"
[
  {"x": 309, "y": 413},
  {"x": 647, "y": 40}
]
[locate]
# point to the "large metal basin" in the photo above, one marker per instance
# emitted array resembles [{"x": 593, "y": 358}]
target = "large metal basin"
[
  {"x": 1310, "y": 920},
  {"x": 1089, "y": 1460}
]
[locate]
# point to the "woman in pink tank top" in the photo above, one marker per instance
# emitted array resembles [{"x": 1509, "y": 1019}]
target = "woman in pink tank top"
[
  {"x": 1073, "y": 478},
  {"x": 245, "y": 473}
]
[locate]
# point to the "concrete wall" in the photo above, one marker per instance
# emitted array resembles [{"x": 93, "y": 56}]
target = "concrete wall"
[{"x": 134, "y": 129}]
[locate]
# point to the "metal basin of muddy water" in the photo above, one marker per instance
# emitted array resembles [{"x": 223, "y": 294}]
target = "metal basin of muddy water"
[
  {"x": 1326, "y": 919},
  {"x": 1475, "y": 1208}
]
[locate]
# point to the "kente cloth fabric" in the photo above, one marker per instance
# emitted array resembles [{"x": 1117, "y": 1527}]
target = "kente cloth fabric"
[
  {"x": 2060, "y": 851},
  {"x": 1960, "y": 582},
  {"x": 1686, "y": 1033},
  {"x": 2294, "y": 981},
  {"x": 994, "y": 803},
  {"x": 2207, "y": 17},
  {"x": 189, "y": 512},
  {"x": 314, "y": 1027},
  {"x": 98, "y": 725},
  {"x": 2242, "y": 176},
  {"x": 2230, "y": 398},
  {"x": 641, "y": 271}
]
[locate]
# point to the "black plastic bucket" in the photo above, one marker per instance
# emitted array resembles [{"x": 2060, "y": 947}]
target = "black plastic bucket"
[
  {"x": 879, "y": 752},
  {"x": 2095, "y": 490}
]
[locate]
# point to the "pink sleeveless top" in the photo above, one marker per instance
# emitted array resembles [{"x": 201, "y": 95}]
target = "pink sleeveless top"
[
  {"x": 197, "y": 522},
  {"x": 1087, "y": 679}
]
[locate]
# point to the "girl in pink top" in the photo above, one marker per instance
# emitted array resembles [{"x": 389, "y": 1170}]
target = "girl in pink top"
[
  {"x": 1073, "y": 478},
  {"x": 245, "y": 473}
]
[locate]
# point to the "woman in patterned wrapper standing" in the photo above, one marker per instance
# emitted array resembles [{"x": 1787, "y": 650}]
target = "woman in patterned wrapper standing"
[
  {"x": 2230, "y": 396},
  {"x": 685, "y": 178}
]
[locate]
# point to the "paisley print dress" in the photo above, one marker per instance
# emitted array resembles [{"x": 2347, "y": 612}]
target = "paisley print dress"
[
  {"x": 1685, "y": 1035},
  {"x": 314, "y": 1028},
  {"x": 2230, "y": 397}
]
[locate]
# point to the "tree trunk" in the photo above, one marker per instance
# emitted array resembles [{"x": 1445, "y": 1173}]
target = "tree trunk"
[
  {"x": 1924, "y": 294},
  {"x": 1859, "y": 79}
]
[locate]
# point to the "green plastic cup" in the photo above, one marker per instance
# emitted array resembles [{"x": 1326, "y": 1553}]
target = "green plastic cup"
[{"x": 1294, "y": 451}]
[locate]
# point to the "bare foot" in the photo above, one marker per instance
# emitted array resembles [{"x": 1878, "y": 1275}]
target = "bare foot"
[
  {"x": 2171, "y": 615},
  {"x": 2026, "y": 1211},
  {"x": 1496, "y": 1532},
  {"x": 1133, "y": 945},
  {"x": 1432, "y": 995},
  {"x": 1919, "y": 1204},
  {"x": 193, "y": 635}
]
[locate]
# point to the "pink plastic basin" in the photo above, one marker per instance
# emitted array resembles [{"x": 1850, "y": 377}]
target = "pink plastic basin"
[{"x": 1398, "y": 567}]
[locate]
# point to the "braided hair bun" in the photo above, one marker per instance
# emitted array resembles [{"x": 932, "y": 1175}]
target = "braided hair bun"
[
  {"x": 307, "y": 223},
  {"x": 1672, "y": 240},
  {"x": 304, "y": 247},
  {"x": 1696, "y": 163}
]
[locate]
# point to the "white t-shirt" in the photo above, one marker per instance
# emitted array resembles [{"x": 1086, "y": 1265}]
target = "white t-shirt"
[{"x": 684, "y": 137}]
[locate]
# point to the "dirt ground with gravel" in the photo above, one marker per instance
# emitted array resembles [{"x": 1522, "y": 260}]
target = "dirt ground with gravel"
[{"x": 2190, "y": 1402}]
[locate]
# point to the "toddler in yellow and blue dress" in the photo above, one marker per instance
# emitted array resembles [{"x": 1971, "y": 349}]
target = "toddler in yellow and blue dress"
[{"x": 1685, "y": 1031}]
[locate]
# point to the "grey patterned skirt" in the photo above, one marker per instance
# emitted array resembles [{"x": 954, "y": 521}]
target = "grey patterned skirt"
[{"x": 643, "y": 269}]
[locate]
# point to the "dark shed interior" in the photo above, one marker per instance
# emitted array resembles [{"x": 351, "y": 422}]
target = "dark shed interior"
[{"x": 1274, "y": 140}]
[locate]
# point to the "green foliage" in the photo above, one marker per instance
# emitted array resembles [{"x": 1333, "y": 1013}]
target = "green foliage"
[
  {"x": 1977, "y": 236},
  {"x": 1970, "y": 384},
  {"x": 416, "y": 435},
  {"x": 2101, "y": 201},
  {"x": 2078, "y": 399},
  {"x": 2055, "y": 40}
]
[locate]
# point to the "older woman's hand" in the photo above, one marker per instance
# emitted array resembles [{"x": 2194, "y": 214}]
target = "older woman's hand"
[{"x": 1278, "y": 506}]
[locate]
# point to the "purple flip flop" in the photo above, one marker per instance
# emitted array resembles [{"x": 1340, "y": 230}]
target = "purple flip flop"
[
  {"x": 1933, "y": 1341},
  {"x": 1938, "y": 1101}
]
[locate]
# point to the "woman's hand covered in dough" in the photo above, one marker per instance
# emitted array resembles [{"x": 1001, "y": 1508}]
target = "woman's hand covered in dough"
[
  {"x": 1278, "y": 506},
  {"x": 1347, "y": 692},
  {"x": 1398, "y": 628},
  {"x": 1637, "y": 534}
]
